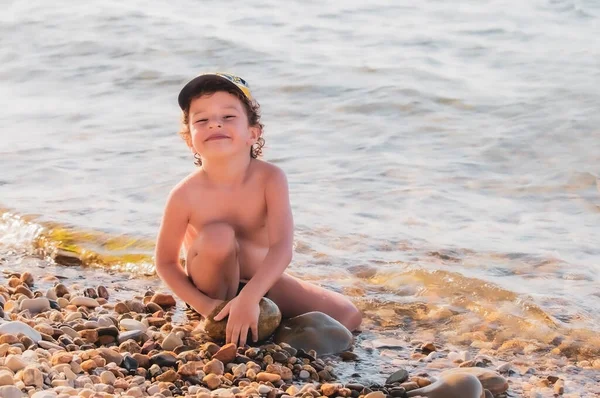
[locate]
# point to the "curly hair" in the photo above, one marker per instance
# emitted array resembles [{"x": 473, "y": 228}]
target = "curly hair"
[{"x": 251, "y": 107}]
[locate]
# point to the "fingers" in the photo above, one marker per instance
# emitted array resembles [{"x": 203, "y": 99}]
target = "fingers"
[
  {"x": 235, "y": 335},
  {"x": 254, "y": 329},
  {"x": 243, "y": 335},
  {"x": 228, "y": 331},
  {"x": 224, "y": 312}
]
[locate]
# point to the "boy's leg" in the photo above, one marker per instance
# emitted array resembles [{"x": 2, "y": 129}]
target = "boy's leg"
[
  {"x": 212, "y": 262},
  {"x": 295, "y": 297}
]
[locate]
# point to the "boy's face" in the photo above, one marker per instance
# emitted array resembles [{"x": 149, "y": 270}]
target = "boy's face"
[{"x": 219, "y": 126}]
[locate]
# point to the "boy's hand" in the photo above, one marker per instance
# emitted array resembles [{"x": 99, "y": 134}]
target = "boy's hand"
[{"x": 243, "y": 316}]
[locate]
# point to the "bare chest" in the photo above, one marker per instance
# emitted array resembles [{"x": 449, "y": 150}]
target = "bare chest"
[{"x": 242, "y": 208}]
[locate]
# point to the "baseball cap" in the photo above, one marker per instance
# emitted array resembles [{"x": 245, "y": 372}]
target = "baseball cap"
[{"x": 194, "y": 85}]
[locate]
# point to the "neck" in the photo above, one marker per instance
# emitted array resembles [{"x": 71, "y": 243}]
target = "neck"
[{"x": 226, "y": 171}]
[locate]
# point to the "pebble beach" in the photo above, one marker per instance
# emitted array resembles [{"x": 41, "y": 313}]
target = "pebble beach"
[{"x": 65, "y": 336}]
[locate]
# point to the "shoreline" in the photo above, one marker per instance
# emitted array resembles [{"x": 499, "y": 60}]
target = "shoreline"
[{"x": 376, "y": 354}]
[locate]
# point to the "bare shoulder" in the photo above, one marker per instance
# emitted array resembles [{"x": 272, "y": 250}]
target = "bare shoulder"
[
  {"x": 186, "y": 188},
  {"x": 270, "y": 173}
]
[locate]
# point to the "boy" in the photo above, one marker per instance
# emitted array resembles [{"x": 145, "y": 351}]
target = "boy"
[{"x": 233, "y": 217}]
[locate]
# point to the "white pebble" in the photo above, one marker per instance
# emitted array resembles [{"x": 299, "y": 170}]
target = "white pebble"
[
  {"x": 304, "y": 374},
  {"x": 44, "y": 394},
  {"x": 264, "y": 390},
  {"x": 154, "y": 389}
]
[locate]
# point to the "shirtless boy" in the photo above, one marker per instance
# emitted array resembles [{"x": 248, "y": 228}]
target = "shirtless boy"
[{"x": 233, "y": 217}]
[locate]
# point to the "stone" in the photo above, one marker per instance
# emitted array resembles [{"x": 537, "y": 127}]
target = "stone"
[
  {"x": 212, "y": 381},
  {"x": 132, "y": 324},
  {"x": 226, "y": 354},
  {"x": 450, "y": 385},
  {"x": 50, "y": 346},
  {"x": 6, "y": 378},
  {"x": 10, "y": 392},
  {"x": 169, "y": 376},
  {"x": 164, "y": 300},
  {"x": 377, "y": 394},
  {"x": 136, "y": 306},
  {"x": 9, "y": 339},
  {"x": 121, "y": 308},
  {"x": 187, "y": 369},
  {"x": 89, "y": 335},
  {"x": 110, "y": 355},
  {"x": 329, "y": 389},
  {"x": 130, "y": 335},
  {"x": 490, "y": 380},
  {"x": 153, "y": 307},
  {"x": 270, "y": 377},
  {"x": 268, "y": 321},
  {"x": 171, "y": 341},
  {"x": 81, "y": 301},
  {"x": 14, "y": 363},
  {"x": 27, "y": 278},
  {"x": 89, "y": 365},
  {"x": 32, "y": 376},
  {"x": 131, "y": 364},
  {"x": 24, "y": 291},
  {"x": 108, "y": 331},
  {"x": 16, "y": 327},
  {"x": 400, "y": 376},
  {"x": 45, "y": 394},
  {"x": 314, "y": 331},
  {"x": 214, "y": 366},
  {"x": 163, "y": 359},
  {"x": 103, "y": 292},
  {"x": 304, "y": 374},
  {"x": 73, "y": 316}
]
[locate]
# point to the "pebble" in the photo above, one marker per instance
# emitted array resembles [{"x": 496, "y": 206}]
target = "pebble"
[
  {"x": 171, "y": 341},
  {"x": 89, "y": 350},
  {"x": 16, "y": 327},
  {"x": 132, "y": 324},
  {"x": 14, "y": 363},
  {"x": 81, "y": 301},
  {"x": 6, "y": 378},
  {"x": 35, "y": 305},
  {"x": 10, "y": 392}
]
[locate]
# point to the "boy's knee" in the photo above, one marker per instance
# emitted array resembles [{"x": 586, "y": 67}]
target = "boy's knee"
[{"x": 216, "y": 242}]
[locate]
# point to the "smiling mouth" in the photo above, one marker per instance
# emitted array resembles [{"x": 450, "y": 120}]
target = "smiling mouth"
[{"x": 217, "y": 137}]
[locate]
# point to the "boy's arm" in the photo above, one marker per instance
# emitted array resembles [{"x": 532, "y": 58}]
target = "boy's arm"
[
  {"x": 280, "y": 226},
  {"x": 170, "y": 236}
]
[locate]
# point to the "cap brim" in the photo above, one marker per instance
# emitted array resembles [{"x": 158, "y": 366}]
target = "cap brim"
[{"x": 195, "y": 85}]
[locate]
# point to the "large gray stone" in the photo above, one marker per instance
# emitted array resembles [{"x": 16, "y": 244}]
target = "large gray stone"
[
  {"x": 451, "y": 385},
  {"x": 490, "y": 379},
  {"x": 314, "y": 331}
]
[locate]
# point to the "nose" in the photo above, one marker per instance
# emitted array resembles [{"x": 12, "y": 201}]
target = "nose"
[{"x": 215, "y": 124}]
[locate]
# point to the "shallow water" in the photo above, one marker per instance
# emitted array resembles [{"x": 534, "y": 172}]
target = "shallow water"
[{"x": 437, "y": 153}]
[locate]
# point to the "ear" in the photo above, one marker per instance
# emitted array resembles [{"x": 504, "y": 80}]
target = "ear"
[{"x": 255, "y": 133}]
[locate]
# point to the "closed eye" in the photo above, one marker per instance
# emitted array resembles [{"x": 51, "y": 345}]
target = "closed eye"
[
  {"x": 200, "y": 120},
  {"x": 229, "y": 116}
]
